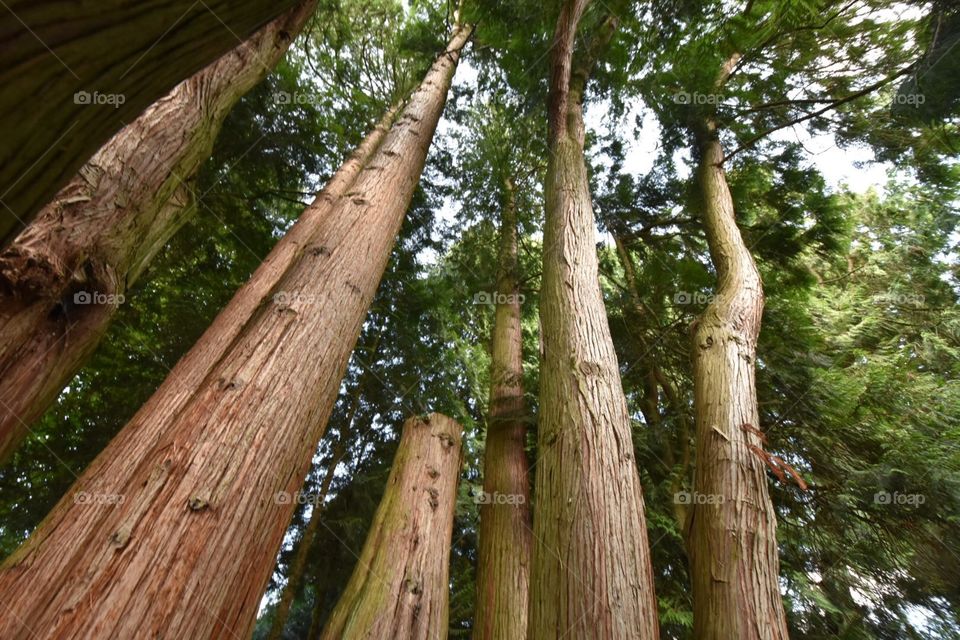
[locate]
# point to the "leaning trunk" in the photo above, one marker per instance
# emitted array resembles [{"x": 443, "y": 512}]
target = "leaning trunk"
[
  {"x": 591, "y": 575},
  {"x": 503, "y": 560},
  {"x": 732, "y": 532},
  {"x": 63, "y": 277},
  {"x": 179, "y": 524},
  {"x": 400, "y": 586},
  {"x": 74, "y": 72}
]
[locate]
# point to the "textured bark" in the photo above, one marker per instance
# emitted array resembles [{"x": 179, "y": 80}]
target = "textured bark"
[
  {"x": 503, "y": 560},
  {"x": 591, "y": 573},
  {"x": 299, "y": 563},
  {"x": 50, "y": 50},
  {"x": 400, "y": 586},
  {"x": 732, "y": 529},
  {"x": 189, "y": 551},
  {"x": 102, "y": 230}
]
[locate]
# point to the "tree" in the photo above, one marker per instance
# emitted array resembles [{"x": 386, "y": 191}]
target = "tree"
[
  {"x": 399, "y": 588},
  {"x": 192, "y": 482},
  {"x": 96, "y": 67},
  {"x": 66, "y": 273},
  {"x": 504, "y": 555},
  {"x": 591, "y": 573}
]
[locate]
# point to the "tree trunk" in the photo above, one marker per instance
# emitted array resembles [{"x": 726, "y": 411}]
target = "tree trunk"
[
  {"x": 299, "y": 563},
  {"x": 102, "y": 230},
  {"x": 180, "y": 517},
  {"x": 74, "y": 72},
  {"x": 591, "y": 576},
  {"x": 503, "y": 561},
  {"x": 400, "y": 586},
  {"x": 732, "y": 532}
]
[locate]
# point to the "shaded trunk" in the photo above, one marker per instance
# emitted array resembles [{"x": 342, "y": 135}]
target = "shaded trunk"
[
  {"x": 400, "y": 586},
  {"x": 63, "y": 277},
  {"x": 180, "y": 524},
  {"x": 503, "y": 561},
  {"x": 299, "y": 563},
  {"x": 591, "y": 575},
  {"x": 74, "y": 72},
  {"x": 732, "y": 541}
]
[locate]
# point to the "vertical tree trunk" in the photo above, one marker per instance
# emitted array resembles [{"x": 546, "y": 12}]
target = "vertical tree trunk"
[
  {"x": 92, "y": 242},
  {"x": 74, "y": 72},
  {"x": 732, "y": 532},
  {"x": 591, "y": 573},
  {"x": 299, "y": 563},
  {"x": 188, "y": 546},
  {"x": 400, "y": 586},
  {"x": 503, "y": 561}
]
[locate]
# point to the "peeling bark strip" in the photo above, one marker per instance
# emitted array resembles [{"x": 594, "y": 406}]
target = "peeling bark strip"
[
  {"x": 235, "y": 423},
  {"x": 102, "y": 230},
  {"x": 732, "y": 542},
  {"x": 503, "y": 559},
  {"x": 128, "y": 54},
  {"x": 591, "y": 574},
  {"x": 400, "y": 586}
]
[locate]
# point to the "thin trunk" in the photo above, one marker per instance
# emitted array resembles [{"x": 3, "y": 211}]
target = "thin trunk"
[
  {"x": 503, "y": 561},
  {"x": 732, "y": 542},
  {"x": 400, "y": 586},
  {"x": 62, "y": 277},
  {"x": 74, "y": 72},
  {"x": 187, "y": 547},
  {"x": 591, "y": 575},
  {"x": 299, "y": 563}
]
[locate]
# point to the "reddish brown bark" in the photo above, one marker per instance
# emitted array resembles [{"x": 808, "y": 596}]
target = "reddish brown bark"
[
  {"x": 503, "y": 559},
  {"x": 50, "y": 50},
  {"x": 189, "y": 550},
  {"x": 732, "y": 543},
  {"x": 591, "y": 574},
  {"x": 102, "y": 230},
  {"x": 400, "y": 586}
]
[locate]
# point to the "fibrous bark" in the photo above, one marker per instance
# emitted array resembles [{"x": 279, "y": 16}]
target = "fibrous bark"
[
  {"x": 63, "y": 277},
  {"x": 400, "y": 586},
  {"x": 189, "y": 549},
  {"x": 732, "y": 545},
  {"x": 73, "y": 73},
  {"x": 591, "y": 573},
  {"x": 503, "y": 557}
]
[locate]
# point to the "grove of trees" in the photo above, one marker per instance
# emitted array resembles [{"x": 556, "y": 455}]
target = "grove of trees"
[{"x": 575, "y": 319}]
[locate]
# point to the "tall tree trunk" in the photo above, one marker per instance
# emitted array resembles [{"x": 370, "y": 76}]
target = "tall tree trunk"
[
  {"x": 299, "y": 563},
  {"x": 74, "y": 72},
  {"x": 591, "y": 575},
  {"x": 732, "y": 532},
  {"x": 189, "y": 550},
  {"x": 92, "y": 242},
  {"x": 503, "y": 561},
  {"x": 400, "y": 587}
]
